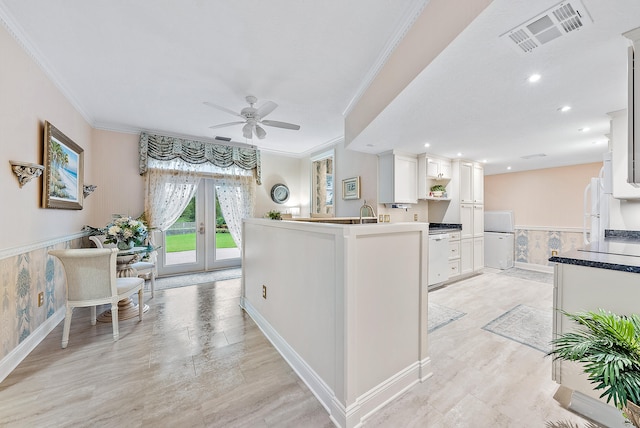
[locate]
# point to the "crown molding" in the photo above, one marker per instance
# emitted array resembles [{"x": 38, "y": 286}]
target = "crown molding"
[
  {"x": 412, "y": 13},
  {"x": 17, "y": 32}
]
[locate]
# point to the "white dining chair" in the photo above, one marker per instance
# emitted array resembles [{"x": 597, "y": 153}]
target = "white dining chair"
[
  {"x": 145, "y": 269},
  {"x": 91, "y": 280}
]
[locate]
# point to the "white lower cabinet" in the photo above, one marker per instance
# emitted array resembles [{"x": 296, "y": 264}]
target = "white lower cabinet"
[
  {"x": 478, "y": 254},
  {"x": 454, "y": 254},
  {"x": 466, "y": 256},
  {"x": 472, "y": 219}
]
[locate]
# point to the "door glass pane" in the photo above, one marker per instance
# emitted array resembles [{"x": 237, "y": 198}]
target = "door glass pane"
[
  {"x": 225, "y": 246},
  {"x": 180, "y": 239}
]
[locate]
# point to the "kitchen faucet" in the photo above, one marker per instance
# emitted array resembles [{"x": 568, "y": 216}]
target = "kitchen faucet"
[{"x": 366, "y": 211}]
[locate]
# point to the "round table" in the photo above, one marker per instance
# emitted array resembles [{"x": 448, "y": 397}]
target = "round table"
[{"x": 124, "y": 269}]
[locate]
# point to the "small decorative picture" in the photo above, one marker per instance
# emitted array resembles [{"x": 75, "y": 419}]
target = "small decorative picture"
[
  {"x": 64, "y": 169},
  {"x": 351, "y": 188}
]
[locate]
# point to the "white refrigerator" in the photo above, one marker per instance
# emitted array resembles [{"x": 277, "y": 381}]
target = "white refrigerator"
[
  {"x": 499, "y": 241},
  {"x": 597, "y": 195}
]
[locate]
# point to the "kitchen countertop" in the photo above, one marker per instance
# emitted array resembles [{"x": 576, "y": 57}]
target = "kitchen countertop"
[
  {"x": 435, "y": 228},
  {"x": 337, "y": 220},
  {"x": 619, "y": 251}
]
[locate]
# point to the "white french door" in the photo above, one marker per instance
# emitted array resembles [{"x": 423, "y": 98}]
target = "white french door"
[{"x": 199, "y": 240}]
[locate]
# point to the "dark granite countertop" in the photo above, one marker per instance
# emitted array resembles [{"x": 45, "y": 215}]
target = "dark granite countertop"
[
  {"x": 619, "y": 251},
  {"x": 444, "y": 227}
]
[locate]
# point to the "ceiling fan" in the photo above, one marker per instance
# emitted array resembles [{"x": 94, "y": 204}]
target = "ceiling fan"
[{"x": 253, "y": 118}]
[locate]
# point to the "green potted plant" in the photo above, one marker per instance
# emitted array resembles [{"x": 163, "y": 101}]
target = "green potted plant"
[
  {"x": 438, "y": 190},
  {"x": 608, "y": 346},
  {"x": 274, "y": 215}
]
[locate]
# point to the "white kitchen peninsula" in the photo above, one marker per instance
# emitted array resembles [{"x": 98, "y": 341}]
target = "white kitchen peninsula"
[
  {"x": 345, "y": 305},
  {"x": 602, "y": 275}
]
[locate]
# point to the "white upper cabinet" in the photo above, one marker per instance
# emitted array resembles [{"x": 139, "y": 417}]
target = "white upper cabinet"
[
  {"x": 622, "y": 189},
  {"x": 438, "y": 169},
  {"x": 471, "y": 183},
  {"x": 478, "y": 184},
  {"x": 397, "y": 178},
  {"x": 432, "y": 171}
]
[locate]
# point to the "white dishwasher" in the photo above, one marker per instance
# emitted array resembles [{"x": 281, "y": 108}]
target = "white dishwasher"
[{"x": 438, "y": 258}]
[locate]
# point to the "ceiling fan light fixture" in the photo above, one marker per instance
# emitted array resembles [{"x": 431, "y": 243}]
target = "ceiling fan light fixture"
[
  {"x": 260, "y": 133},
  {"x": 246, "y": 130}
]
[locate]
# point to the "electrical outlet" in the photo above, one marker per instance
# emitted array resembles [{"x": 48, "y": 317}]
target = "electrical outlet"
[
  {"x": 415, "y": 217},
  {"x": 387, "y": 218},
  {"x": 264, "y": 291},
  {"x": 40, "y": 298},
  {"x": 380, "y": 218},
  {"x": 554, "y": 253}
]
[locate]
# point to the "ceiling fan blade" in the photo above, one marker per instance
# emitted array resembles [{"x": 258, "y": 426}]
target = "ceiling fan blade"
[
  {"x": 266, "y": 108},
  {"x": 277, "y": 124},
  {"x": 222, "y": 125},
  {"x": 247, "y": 131},
  {"x": 226, "y": 110}
]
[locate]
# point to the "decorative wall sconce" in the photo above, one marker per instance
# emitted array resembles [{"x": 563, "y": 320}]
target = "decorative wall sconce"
[
  {"x": 88, "y": 189},
  {"x": 26, "y": 171}
]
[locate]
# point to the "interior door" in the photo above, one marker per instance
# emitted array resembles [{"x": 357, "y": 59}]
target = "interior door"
[{"x": 199, "y": 240}]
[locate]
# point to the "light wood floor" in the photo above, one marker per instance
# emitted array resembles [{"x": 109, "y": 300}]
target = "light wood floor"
[{"x": 198, "y": 361}]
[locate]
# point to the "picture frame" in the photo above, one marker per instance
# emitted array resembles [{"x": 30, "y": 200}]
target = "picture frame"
[
  {"x": 351, "y": 188},
  {"x": 63, "y": 182}
]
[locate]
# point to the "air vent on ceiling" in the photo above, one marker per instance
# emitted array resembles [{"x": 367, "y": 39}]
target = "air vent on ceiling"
[
  {"x": 537, "y": 155},
  {"x": 223, "y": 138},
  {"x": 561, "y": 19}
]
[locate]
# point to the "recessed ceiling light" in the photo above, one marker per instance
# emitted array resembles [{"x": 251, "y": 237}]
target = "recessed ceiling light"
[
  {"x": 564, "y": 108},
  {"x": 459, "y": 154},
  {"x": 584, "y": 129},
  {"x": 508, "y": 168},
  {"x": 534, "y": 78},
  {"x": 427, "y": 144},
  {"x": 484, "y": 161}
]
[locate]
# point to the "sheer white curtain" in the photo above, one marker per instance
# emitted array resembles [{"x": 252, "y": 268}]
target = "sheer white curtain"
[
  {"x": 168, "y": 191},
  {"x": 237, "y": 197}
]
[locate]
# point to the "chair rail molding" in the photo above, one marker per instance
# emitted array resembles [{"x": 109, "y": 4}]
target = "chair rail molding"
[
  {"x": 10, "y": 252},
  {"x": 26, "y": 171}
]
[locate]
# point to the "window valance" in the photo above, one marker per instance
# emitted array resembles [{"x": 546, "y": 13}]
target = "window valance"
[{"x": 158, "y": 149}]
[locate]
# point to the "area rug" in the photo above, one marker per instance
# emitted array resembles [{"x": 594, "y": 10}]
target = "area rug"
[
  {"x": 439, "y": 316},
  {"x": 197, "y": 278},
  {"x": 526, "y": 325},
  {"x": 531, "y": 275}
]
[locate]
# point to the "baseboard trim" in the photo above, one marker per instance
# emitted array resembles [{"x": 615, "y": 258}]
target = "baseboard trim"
[
  {"x": 367, "y": 404},
  {"x": 318, "y": 387},
  {"x": 20, "y": 352},
  {"x": 534, "y": 267}
]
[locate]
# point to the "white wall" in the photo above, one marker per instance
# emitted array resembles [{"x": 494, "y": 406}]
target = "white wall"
[
  {"x": 27, "y": 99},
  {"x": 281, "y": 169},
  {"x": 352, "y": 164},
  {"x": 120, "y": 187}
]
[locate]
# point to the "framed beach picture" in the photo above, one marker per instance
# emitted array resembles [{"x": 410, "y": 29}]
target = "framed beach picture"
[
  {"x": 351, "y": 188},
  {"x": 64, "y": 170}
]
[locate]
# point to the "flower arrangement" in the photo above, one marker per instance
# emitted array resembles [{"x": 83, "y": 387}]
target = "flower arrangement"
[{"x": 125, "y": 232}]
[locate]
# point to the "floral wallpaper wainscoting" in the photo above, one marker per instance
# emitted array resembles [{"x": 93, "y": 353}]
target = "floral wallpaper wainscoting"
[
  {"x": 534, "y": 246},
  {"x": 22, "y": 278}
]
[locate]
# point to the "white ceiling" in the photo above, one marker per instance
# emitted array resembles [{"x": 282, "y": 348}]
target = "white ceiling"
[{"x": 149, "y": 65}]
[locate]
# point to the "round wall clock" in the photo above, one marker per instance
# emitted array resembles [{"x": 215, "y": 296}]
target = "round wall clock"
[{"x": 279, "y": 193}]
